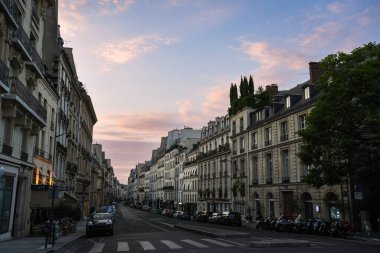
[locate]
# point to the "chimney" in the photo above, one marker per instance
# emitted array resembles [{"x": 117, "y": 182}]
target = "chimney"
[
  {"x": 272, "y": 89},
  {"x": 315, "y": 72}
]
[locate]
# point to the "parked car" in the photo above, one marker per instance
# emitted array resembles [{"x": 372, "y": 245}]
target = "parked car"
[
  {"x": 184, "y": 216},
  {"x": 177, "y": 214},
  {"x": 99, "y": 223},
  {"x": 231, "y": 218},
  {"x": 204, "y": 216},
  {"x": 215, "y": 218}
]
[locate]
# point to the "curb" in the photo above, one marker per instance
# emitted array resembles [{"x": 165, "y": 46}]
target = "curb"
[
  {"x": 280, "y": 244},
  {"x": 65, "y": 244}
]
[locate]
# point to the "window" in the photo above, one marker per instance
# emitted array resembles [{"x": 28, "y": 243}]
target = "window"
[
  {"x": 288, "y": 102},
  {"x": 285, "y": 165},
  {"x": 307, "y": 93},
  {"x": 241, "y": 125},
  {"x": 242, "y": 168},
  {"x": 234, "y": 147},
  {"x": 255, "y": 174},
  {"x": 234, "y": 127},
  {"x": 242, "y": 145},
  {"x": 253, "y": 141},
  {"x": 284, "y": 131},
  {"x": 302, "y": 122},
  {"x": 269, "y": 167},
  {"x": 268, "y": 136},
  {"x": 305, "y": 169}
]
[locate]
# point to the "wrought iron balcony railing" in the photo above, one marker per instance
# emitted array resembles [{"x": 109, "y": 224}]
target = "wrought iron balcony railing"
[
  {"x": 10, "y": 8},
  {"x": 21, "y": 91}
]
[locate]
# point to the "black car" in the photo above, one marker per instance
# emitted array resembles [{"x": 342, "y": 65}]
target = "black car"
[
  {"x": 215, "y": 218},
  {"x": 231, "y": 218},
  {"x": 204, "y": 216},
  {"x": 99, "y": 223}
]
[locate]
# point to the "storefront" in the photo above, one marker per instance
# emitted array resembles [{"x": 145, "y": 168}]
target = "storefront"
[{"x": 8, "y": 184}]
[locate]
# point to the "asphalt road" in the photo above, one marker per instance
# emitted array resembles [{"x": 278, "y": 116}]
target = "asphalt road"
[{"x": 138, "y": 231}]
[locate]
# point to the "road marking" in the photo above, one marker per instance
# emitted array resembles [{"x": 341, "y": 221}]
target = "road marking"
[
  {"x": 171, "y": 245},
  {"x": 147, "y": 245},
  {"x": 196, "y": 244},
  {"x": 167, "y": 224},
  {"x": 122, "y": 246},
  {"x": 98, "y": 247},
  {"x": 218, "y": 242},
  {"x": 225, "y": 240}
]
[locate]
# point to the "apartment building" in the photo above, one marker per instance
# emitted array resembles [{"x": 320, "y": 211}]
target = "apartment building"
[
  {"x": 275, "y": 172},
  {"x": 190, "y": 181},
  {"x": 214, "y": 168}
]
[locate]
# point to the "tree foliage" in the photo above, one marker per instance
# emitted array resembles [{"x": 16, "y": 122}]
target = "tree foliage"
[
  {"x": 247, "y": 97},
  {"x": 343, "y": 130}
]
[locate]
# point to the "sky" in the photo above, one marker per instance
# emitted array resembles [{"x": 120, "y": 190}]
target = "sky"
[{"x": 151, "y": 66}]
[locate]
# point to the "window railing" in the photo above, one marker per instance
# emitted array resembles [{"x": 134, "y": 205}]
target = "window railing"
[
  {"x": 242, "y": 150},
  {"x": 7, "y": 149},
  {"x": 268, "y": 142},
  {"x": 11, "y": 9},
  {"x": 254, "y": 146},
  {"x": 269, "y": 181},
  {"x": 285, "y": 179},
  {"x": 255, "y": 181},
  {"x": 35, "y": 16},
  {"x": 284, "y": 137}
]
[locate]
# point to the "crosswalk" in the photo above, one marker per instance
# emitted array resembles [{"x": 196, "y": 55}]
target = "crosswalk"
[{"x": 124, "y": 246}]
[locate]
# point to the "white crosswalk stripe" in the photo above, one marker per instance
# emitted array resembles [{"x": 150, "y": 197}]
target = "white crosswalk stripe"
[
  {"x": 147, "y": 245},
  {"x": 171, "y": 245},
  {"x": 122, "y": 246},
  {"x": 97, "y": 248},
  {"x": 194, "y": 243},
  {"x": 218, "y": 242}
]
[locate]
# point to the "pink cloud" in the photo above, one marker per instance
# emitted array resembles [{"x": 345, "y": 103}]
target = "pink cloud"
[
  {"x": 71, "y": 20},
  {"x": 320, "y": 36},
  {"x": 276, "y": 65},
  {"x": 335, "y": 8},
  {"x": 129, "y": 49}
]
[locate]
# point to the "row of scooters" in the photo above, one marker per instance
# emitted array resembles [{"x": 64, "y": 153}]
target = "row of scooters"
[{"x": 314, "y": 226}]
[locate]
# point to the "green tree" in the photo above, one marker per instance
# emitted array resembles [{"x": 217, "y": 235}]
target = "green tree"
[
  {"x": 251, "y": 86},
  {"x": 342, "y": 137}
]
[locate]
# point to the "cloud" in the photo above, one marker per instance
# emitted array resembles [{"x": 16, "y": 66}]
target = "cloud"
[
  {"x": 129, "y": 49},
  {"x": 110, "y": 7},
  {"x": 71, "y": 20},
  {"x": 275, "y": 65},
  {"x": 335, "y": 8},
  {"x": 320, "y": 36}
]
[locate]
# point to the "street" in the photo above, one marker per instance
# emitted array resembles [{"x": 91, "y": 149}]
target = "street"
[{"x": 139, "y": 231}]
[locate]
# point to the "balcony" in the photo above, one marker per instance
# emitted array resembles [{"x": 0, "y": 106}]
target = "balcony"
[
  {"x": 268, "y": 142},
  {"x": 168, "y": 188},
  {"x": 10, "y": 9},
  {"x": 284, "y": 137},
  {"x": 242, "y": 150},
  {"x": 269, "y": 181},
  {"x": 27, "y": 100},
  {"x": 253, "y": 146},
  {"x": 21, "y": 39},
  {"x": 4, "y": 71}
]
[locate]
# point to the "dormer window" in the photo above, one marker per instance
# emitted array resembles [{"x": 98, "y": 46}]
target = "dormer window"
[
  {"x": 307, "y": 93},
  {"x": 288, "y": 104}
]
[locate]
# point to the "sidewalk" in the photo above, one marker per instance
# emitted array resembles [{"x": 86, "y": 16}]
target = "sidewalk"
[
  {"x": 37, "y": 244},
  {"x": 359, "y": 236}
]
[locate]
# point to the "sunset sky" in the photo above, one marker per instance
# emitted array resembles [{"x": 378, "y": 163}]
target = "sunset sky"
[{"x": 151, "y": 66}]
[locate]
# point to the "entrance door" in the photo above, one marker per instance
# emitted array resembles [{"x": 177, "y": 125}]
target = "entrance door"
[{"x": 288, "y": 204}]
